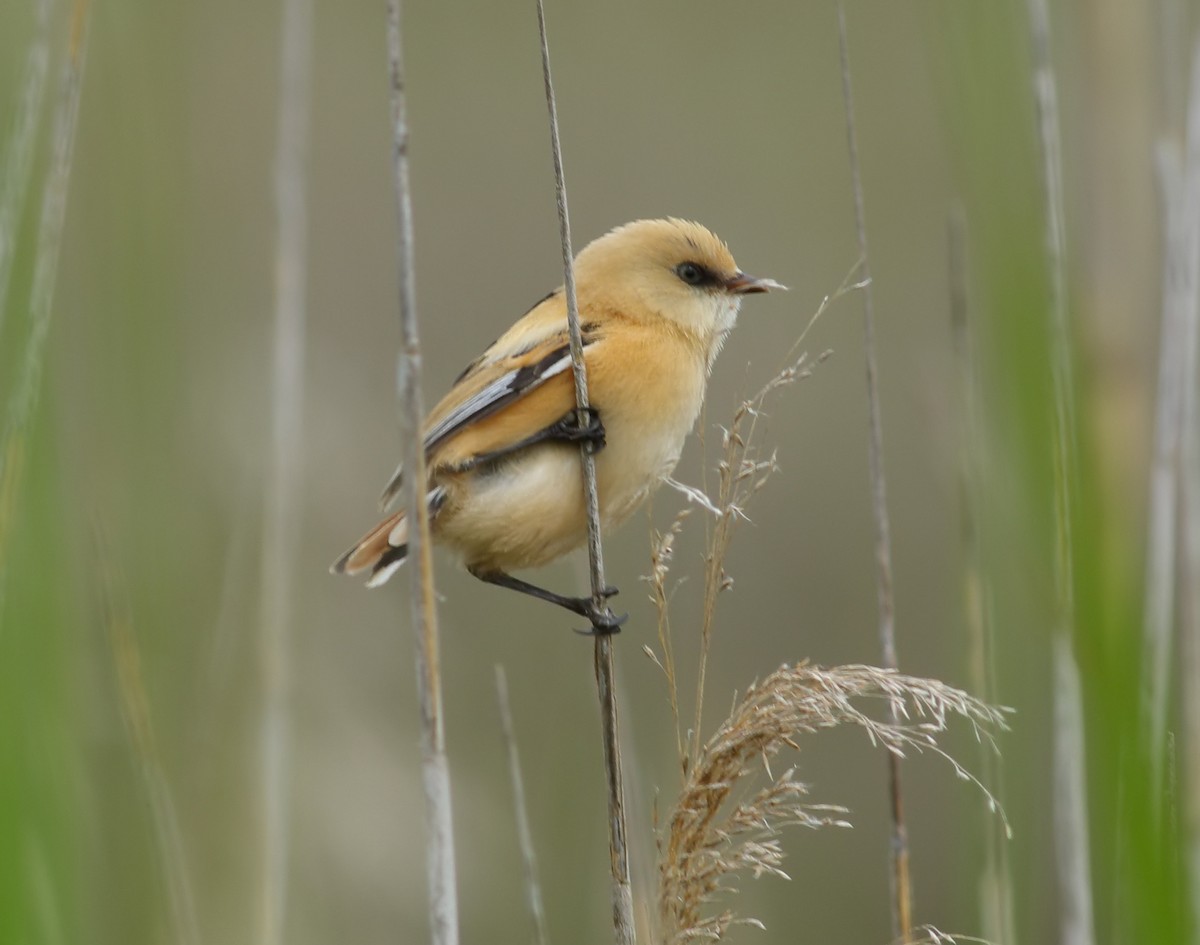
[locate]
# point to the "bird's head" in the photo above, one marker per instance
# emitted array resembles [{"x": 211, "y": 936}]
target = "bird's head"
[{"x": 672, "y": 269}]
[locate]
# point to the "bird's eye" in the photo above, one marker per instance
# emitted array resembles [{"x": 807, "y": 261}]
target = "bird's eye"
[{"x": 691, "y": 273}]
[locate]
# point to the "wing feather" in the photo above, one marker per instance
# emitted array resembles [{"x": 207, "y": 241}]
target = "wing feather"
[{"x": 487, "y": 407}]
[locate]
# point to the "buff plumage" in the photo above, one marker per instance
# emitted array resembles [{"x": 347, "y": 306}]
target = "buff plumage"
[{"x": 657, "y": 299}]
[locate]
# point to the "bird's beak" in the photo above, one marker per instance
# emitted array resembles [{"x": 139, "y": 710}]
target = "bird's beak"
[{"x": 743, "y": 284}]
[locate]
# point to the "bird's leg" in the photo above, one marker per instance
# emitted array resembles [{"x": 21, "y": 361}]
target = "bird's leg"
[
  {"x": 603, "y": 621},
  {"x": 567, "y": 430}
]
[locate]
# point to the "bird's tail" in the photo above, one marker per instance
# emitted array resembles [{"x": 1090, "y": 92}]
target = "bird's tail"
[{"x": 385, "y": 547}]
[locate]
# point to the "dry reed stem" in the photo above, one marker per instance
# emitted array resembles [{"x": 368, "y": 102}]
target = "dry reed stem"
[
  {"x": 45, "y": 268},
  {"x": 622, "y": 891},
  {"x": 435, "y": 770},
  {"x": 1187, "y": 255},
  {"x": 1076, "y": 921},
  {"x": 662, "y": 553},
  {"x": 995, "y": 885},
  {"x": 533, "y": 888},
  {"x": 722, "y": 827},
  {"x": 901, "y": 883},
  {"x": 18, "y": 158},
  {"x": 282, "y": 511},
  {"x": 135, "y": 711},
  {"x": 742, "y": 471}
]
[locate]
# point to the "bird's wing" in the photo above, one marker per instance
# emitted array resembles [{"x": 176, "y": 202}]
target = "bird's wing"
[
  {"x": 532, "y": 392},
  {"x": 518, "y": 387}
]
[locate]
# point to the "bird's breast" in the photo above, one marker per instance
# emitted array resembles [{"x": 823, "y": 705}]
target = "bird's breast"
[{"x": 648, "y": 404}]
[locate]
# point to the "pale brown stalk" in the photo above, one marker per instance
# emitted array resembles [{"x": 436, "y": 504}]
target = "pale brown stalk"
[
  {"x": 282, "y": 512},
  {"x": 662, "y": 552},
  {"x": 622, "y": 892},
  {"x": 435, "y": 770},
  {"x": 902, "y": 909},
  {"x": 533, "y": 888},
  {"x": 742, "y": 470}
]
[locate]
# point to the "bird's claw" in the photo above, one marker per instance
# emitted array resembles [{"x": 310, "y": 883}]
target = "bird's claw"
[
  {"x": 604, "y": 623},
  {"x": 590, "y": 431}
]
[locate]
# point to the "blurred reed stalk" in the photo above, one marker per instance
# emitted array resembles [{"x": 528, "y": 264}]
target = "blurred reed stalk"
[
  {"x": 996, "y": 883},
  {"x": 622, "y": 892},
  {"x": 435, "y": 770},
  {"x": 1076, "y": 921},
  {"x": 902, "y": 920},
  {"x": 1181, "y": 309},
  {"x": 1181, "y": 210},
  {"x": 18, "y": 157},
  {"x": 135, "y": 711},
  {"x": 533, "y": 888},
  {"x": 282, "y": 512},
  {"x": 24, "y": 396}
]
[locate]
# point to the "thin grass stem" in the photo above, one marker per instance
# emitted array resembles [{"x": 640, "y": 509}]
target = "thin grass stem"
[
  {"x": 996, "y": 883},
  {"x": 283, "y": 482},
  {"x": 1189, "y": 492},
  {"x": 902, "y": 919},
  {"x": 622, "y": 892},
  {"x": 741, "y": 472},
  {"x": 1180, "y": 191},
  {"x": 135, "y": 711},
  {"x": 45, "y": 269},
  {"x": 18, "y": 158},
  {"x": 1076, "y": 921},
  {"x": 1180, "y": 187},
  {"x": 435, "y": 770},
  {"x": 533, "y": 888}
]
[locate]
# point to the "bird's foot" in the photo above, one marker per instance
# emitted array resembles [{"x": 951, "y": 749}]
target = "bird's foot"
[
  {"x": 604, "y": 621},
  {"x": 570, "y": 430}
]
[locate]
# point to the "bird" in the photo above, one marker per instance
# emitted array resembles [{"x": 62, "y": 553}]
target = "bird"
[{"x": 656, "y": 300}]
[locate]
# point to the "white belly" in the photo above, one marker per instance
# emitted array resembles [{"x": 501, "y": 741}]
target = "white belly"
[{"x": 530, "y": 510}]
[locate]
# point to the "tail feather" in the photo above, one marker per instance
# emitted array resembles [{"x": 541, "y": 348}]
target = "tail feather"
[
  {"x": 388, "y": 564},
  {"x": 384, "y": 548},
  {"x": 373, "y": 546}
]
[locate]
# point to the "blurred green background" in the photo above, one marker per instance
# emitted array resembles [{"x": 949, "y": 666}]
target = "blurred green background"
[{"x": 153, "y": 430}]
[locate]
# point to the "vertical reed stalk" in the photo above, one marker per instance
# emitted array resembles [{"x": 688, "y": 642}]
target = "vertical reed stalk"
[
  {"x": 135, "y": 711},
  {"x": 533, "y": 889},
  {"x": 622, "y": 894},
  {"x": 902, "y": 921},
  {"x": 1076, "y": 922},
  {"x": 1181, "y": 206},
  {"x": 996, "y": 898},
  {"x": 25, "y": 395},
  {"x": 18, "y": 156},
  {"x": 1185, "y": 251},
  {"x": 435, "y": 770},
  {"x": 281, "y": 515}
]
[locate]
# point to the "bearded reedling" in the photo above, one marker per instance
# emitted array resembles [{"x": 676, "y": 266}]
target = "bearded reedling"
[{"x": 657, "y": 299}]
